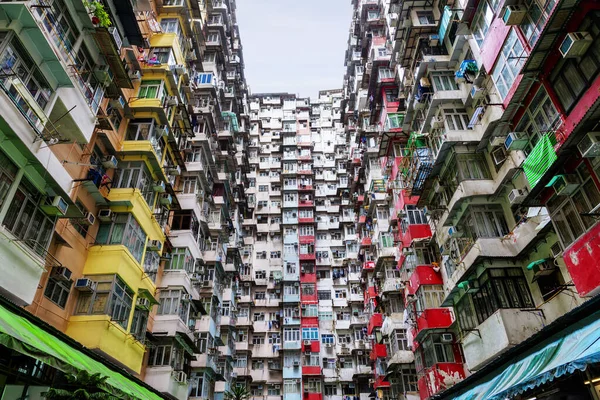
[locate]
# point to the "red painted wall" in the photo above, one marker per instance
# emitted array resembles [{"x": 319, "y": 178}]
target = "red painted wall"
[
  {"x": 582, "y": 262},
  {"x": 433, "y": 318}
]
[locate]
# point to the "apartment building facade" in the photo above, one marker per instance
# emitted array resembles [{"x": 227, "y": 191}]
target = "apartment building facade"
[
  {"x": 123, "y": 159},
  {"x": 485, "y": 153}
]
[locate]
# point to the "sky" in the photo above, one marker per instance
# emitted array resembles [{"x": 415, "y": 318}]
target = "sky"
[{"x": 294, "y": 46}]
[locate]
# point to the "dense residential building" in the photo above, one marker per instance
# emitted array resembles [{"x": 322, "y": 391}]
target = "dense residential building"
[
  {"x": 472, "y": 137},
  {"x": 428, "y": 231}
]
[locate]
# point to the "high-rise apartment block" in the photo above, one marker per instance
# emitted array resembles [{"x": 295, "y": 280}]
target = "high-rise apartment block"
[{"x": 427, "y": 231}]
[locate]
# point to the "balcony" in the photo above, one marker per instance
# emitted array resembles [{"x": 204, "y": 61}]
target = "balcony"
[
  {"x": 439, "y": 377},
  {"x": 98, "y": 332},
  {"x": 292, "y": 345},
  {"x": 378, "y": 351},
  {"x": 311, "y": 370},
  {"x": 581, "y": 259},
  {"x": 205, "y": 361},
  {"x": 433, "y": 318},
  {"x": 376, "y": 321},
  {"x": 163, "y": 380},
  {"x": 415, "y": 232},
  {"x": 502, "y": 330}
]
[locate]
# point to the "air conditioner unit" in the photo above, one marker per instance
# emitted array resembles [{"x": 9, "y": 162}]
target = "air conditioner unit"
[
  {"x": 575, "y": 44},
  {"x": 85, "y": 285},
  {"x": 166, "y": 199},
  {"x": 447, "y": 338},
  {"x": 497, "y": 141},
  {"x": 180, "y": 377},
  {"x": 176, "y": 170},
  {"x": 154, "y": 245},
  {"x": 476, "y": 93},
  {"x": 186, "y": 297},
  {"x": 371, "y": 337},
  {"x": 516, "y": 196},
  {"x": 307, "y": 342},
  {"x": 142, "y": 303},
  {"x": 516, "y": 141},
  {"x": 499, "y": 155},
  {"x": 453, "y": 232},
  {"x": 58, "y": 207},
  {"x": 296, "y": 284},
  {"x": 162, "y": 130},
  {"x": 514, "y": 15},
  {"x": 556, "y": 250},
  {"x": 105, "y": 215},
  {"x": 234, "y": 375},
  {"x": 469, "y": 286},
  {"x": 546, "y": 267},
  {"x": 62, "y": 273},
  {"x": 344, "y": 346},
  {"x": 246, "y": 284},
  {"x": 328, "y": 345},
  {"x": 434, "y": 40},
  {"x": 589, "y": 146},
  {"x": 110, "y": 162},
  {"x": 360, "y": 353},
  {"x": 296, "y": 364},
  {"x": 342, "y": 359},
  {"x": 172, "y": 101},
  {"x": 117, "y": 103},
  {"x": 88, "y": 219},
  {"x": 565, "y": 185},
  {"x": 135, "y": 75},
  {"x": 159, "y": 187},
  {"x": 180, "y": 68},
  {"x": 437, "y": 122}
]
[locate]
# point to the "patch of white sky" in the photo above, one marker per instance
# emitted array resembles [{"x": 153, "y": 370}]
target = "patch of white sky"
[{"x": 294, "y": 46}]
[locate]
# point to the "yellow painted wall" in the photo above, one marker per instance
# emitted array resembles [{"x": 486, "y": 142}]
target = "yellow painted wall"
[
  {"x": 140, "y": 210},
  {"x": 98, "y": 332},
  {"x": 116, "y": 259}
]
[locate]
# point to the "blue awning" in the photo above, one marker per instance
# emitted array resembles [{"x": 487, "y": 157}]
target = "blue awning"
[
  {"x": 444, "y": 22},
  {"x": 563, "y": 353}
]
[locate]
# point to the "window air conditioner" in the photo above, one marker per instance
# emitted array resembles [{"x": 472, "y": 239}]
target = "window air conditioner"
[
  {"x": 565, "y": 185},
  {"x": 61, "y": 273},
  {"x": 514, "y": 15},
  {"x": 589, "y": 146},
  {"x": 58, "y": 207},
  {"x": 85, "y": 285},
  {"x": 499, "y": 155},
  {"x": 105, "y": 215},
  {"x": 516, "y": 141},
  {"x": 88, "y": 219},
  {"x": 516, "y": 196},
  {"x": 154, "y": 245},
  {"x": 447, "y": 338},
  {"x": 159, "y": 187},
  {"x": 453, "y": 232},
  {"x": 575, "y": 44},
  {"x": 142, "y": 303}
]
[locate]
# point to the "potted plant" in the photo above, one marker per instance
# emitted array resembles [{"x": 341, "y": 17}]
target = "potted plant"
[{"x": 98, "y": 13}]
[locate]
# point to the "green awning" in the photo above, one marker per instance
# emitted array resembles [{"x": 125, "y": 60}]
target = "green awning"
[
  {"x": 145, "y": 293},
  {"x": 23, "y": 336},
  {"x": 181, "y": 339},
  {"x": 533, "y": 264},
  {"x": 540, "y": 159}
]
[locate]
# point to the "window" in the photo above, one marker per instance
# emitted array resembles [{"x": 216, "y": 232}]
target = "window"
[
  {"x": 291, "y": 334},
  {"x": 136, "y": 175},
  {"x": 57, "y": 290},
  {"x": 340, "y": 293},
  {"x": 443, "y": 81},
  {"x": 482, "y": 21},
  {"x": 327, "y": 339},
  {"x": 263, "y": 188},
  {"x": 82, "y": 229},
  {"x": 181, "y": 259},
  {"x": 273, "y": 390},
  {"x": 325, "y": 315},
  {"x": 190, "y": 184},
  {"x": 540, "y": 117},
  {"x": 429, "y": 296},
  {"x": 112, "y": 297},
  {"x": 487, "y": 221},
  {"x": 455, "y": 119},
  {"x": 571, "y": 77},
  {"x": 536, "y": 17},
  {"x": 173, "y": 303},
  {"x": 162, "y": 55},
  {"x": 258, "y": 340},
  {"x": 310, "y": 333},
  {"x": 26, "y": 220},
  {"x": 425, "y": 17},
  {"x": 394, "y": 121},
  {"x": 508, "y": 66},
  {"x": 291, "y": 386},
  {"x": 151, "y": 90},
  {"x": 324, "y": 294},
  {"x": 123, "y": 230},
  {"x": 565, "y": 211}
]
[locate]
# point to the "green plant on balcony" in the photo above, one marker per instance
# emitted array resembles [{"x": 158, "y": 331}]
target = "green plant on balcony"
[
  {"x": 237, "y": 392},
  {"x": 99, "y": 15}
]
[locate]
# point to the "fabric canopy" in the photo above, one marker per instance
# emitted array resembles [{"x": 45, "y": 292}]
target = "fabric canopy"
[
  {"x": 21, "y": 335},
  {"x": 562, "y": 354}
]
